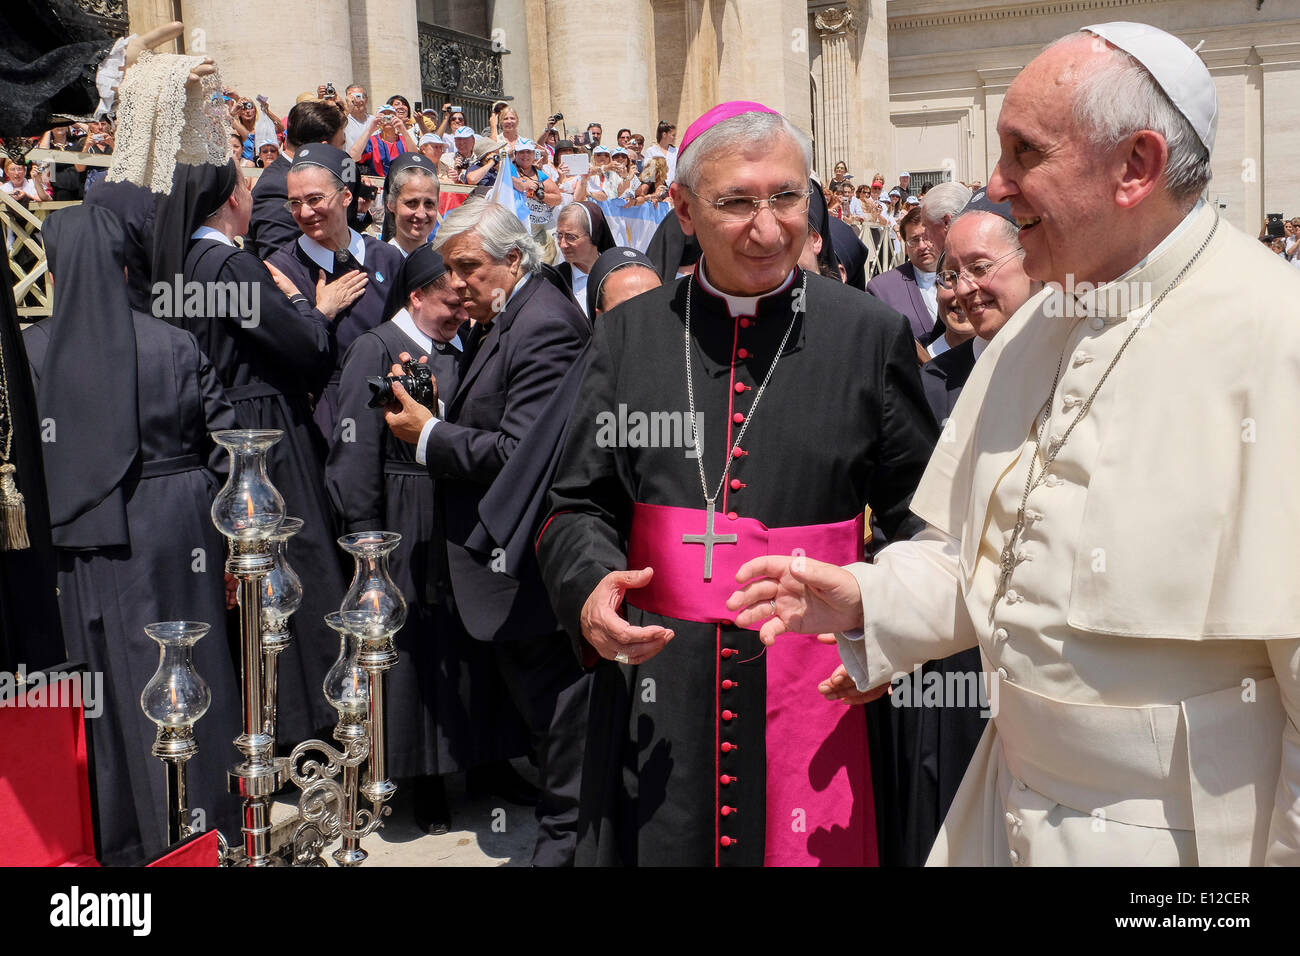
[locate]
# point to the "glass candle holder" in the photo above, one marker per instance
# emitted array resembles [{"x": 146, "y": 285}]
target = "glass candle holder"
[
  {"x": 248, "y": 508},
  {"x": 176, "y": 696}
]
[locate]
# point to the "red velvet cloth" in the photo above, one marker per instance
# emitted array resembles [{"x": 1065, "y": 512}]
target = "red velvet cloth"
[
  {"x": 45, "y": 817},
  {"x": 200, "y": 850}
]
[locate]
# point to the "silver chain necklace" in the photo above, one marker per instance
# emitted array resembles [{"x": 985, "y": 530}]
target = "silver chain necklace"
[
  {"x": 1007, "y": 561},
  {"x": 708, "y": 538}
]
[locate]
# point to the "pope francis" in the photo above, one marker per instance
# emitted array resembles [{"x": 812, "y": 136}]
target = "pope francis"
[{"x": 1109, "y": 515}]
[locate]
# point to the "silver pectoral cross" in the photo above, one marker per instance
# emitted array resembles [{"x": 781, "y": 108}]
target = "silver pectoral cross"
[
  {"x": 1007, "y": 563},
  {"x": 708, "y": 539}
]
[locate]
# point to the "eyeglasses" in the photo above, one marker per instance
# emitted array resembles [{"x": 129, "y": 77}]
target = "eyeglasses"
[
  {"x": 568, "y": 237},
  {"x": 313, "y": 203},
  {"x": 916, "y": 241},
  {"x": 785, "y": 205},
  {"x": 976, "y": 272}
]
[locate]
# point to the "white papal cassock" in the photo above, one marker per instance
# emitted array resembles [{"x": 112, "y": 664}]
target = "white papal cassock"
[{"x": 1148, "y": 647}]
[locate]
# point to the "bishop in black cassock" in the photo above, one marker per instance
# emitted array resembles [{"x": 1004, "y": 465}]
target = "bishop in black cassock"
[{"x": 717, "y": 750}]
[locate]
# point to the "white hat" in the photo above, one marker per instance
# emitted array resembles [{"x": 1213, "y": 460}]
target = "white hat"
[
  {"x": 912, "y": 201},
  {"x": 432, "y": 139},
  {"x": 463, "y": 133},
  {"x": 1178, "y": 71}
]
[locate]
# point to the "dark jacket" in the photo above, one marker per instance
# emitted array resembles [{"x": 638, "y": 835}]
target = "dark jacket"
[
  {"x": 944, "y": 376},
  {"x": 501, "y": 395},
  {"x": 897, "y": 288},
  {"x": 271, "y": 225}
]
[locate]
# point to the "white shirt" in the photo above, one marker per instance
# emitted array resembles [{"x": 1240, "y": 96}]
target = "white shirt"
[
  {"x": 925, "y": 282},
  {"x": 207, "y": 232},
  {"x": 356, "y": 128},
  {"x": 428, "y": 426},
  {"x": 978, "y": 346},
  {"x": 580, "y": 287},
  {"x": 669, "y": 155},
  {"x": 325, "y": 257}
]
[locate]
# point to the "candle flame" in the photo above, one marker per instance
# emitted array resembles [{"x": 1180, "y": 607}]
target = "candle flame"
[
  {"x": 250, "y": 507},
  {"x": 375, "y": 597}
]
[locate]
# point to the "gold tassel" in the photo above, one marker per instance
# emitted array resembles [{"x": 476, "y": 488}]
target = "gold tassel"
[{"x": 13, "y": 516}]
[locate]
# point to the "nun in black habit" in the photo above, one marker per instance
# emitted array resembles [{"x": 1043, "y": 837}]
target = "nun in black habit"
[
  {"x": 447, "y": 707},
  {"x": 271, "y": 353},
  {"x": 329, "y": 250},
  {"x": 131, "y": 474},
  {"x": 586, "y": 222}
]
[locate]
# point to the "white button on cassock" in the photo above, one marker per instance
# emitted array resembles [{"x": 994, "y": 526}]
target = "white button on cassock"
[{"x": 1097, "y": 323}]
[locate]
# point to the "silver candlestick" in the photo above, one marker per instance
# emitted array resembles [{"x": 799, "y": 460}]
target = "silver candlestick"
[
  {"x": 174, "y": 699},
  {"x": 248, "y": 510}
]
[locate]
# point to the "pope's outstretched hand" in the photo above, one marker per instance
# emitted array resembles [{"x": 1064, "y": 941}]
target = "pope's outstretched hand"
[{"x": 796, "y": 595}]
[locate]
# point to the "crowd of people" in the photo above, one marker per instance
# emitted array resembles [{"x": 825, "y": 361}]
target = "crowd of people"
[{"x": 667, "y": 624}]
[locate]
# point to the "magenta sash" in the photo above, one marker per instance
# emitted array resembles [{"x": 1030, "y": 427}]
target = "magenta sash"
[
  {"x": 820, "y": 808},
  {"x": 678, "y": 588}
]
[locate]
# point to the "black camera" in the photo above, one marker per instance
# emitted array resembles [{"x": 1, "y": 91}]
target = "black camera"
[
  {"x": 418, "y": 382},
  {"x": 557, "y": 117},
  {"x": 329, "y": 89}
]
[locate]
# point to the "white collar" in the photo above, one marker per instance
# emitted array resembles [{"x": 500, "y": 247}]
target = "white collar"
[
  {"x": 924, "y": 279},
  {"x": 523, "y": 280},
  {"x": 207, "y": 232},
  {"x": 325, "y": 257},
  {"x": 978, "y": 345},
  {"x": 738, "y": 305},
  {"x": 406, "y": 322},
  {"x": 1165, "y": 243}
]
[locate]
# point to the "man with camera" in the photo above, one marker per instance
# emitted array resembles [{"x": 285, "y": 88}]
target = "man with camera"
[
  {"x": 527, "y": 334},
  {"x": 448, "y": 710},
  {"x": 358, "y": 118}
]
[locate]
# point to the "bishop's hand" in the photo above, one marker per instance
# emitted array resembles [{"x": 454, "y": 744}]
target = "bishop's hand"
[
  {"x": 796, "y": 595},
  {"x": 608, "y": 632}
]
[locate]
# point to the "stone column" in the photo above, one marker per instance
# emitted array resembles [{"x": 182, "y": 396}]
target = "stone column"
[
  {"x": 280, "y": 49},
  {"x": 385, "y": 50},
  {"x": 146, "y": 15},
  {"x": 871, "y": 145},
  {"x": 599, "y": 67},
  {"x": 1280, "y": 63},
  {"x": 764, "y": 56},
  {"x": 837, "y": 30},
  {"x": 509, "y": 31}
]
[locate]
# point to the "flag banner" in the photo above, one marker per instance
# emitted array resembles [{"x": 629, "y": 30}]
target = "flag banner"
[
  {"x": 634, "y": 225},
  {"x": 503, "y": 190}
]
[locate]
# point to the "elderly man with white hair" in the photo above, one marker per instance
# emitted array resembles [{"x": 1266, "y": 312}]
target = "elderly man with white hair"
[
  {"x": 807, "y": 408},
  {"x": 526, "y": 333},
  {"x": 939, "y": 207},
  {"x": 1104, "y": 523}
]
